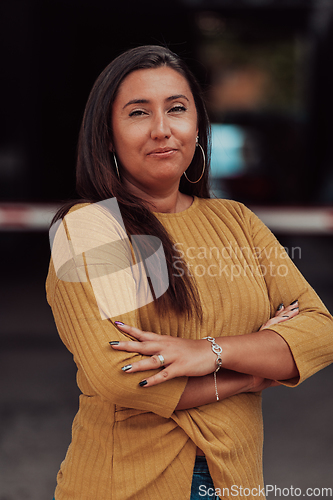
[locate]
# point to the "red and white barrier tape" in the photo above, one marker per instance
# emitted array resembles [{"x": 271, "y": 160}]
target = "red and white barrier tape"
[
  {"x": 297, "y": 220},
  {"x": 287, "y": 220},
  {"x": 26, "y": 216}
]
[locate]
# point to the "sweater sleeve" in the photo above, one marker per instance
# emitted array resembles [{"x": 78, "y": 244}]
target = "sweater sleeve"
[
  {"x": 309, "y": 335},
  {"x": 95, "y": 279}
]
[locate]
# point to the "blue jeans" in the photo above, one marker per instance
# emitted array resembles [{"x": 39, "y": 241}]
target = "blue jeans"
[{"x": 202, "y": 483}]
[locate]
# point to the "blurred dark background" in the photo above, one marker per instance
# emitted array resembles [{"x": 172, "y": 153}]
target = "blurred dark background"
[{"x": 267, "y": 73}]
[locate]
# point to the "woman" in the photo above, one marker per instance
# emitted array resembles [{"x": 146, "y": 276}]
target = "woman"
[{"x": 143, "y": 150}]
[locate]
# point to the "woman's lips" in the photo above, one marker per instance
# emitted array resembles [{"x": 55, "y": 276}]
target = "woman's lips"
[{"x": 162, "y": 153}]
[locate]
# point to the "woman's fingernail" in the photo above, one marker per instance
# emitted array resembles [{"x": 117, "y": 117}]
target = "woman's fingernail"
[
  {"x": 142, "y": 383},
  {"x": 127, "y": 367},
  {"x": 114, "y": 342},
  {"x": 285, "y": 316},
  {"x": 280, "y": 306},
  {"x": 294, "y": 302},
  {"x": 119, "y": 323},
  {"x": 294, "y": 309}
]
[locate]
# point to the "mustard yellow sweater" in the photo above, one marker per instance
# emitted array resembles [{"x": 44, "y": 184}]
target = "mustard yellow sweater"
[{"x": 128, "y": 442}]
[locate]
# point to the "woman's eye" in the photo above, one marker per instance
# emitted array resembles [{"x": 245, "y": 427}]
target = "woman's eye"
[
  {"x": 178, "y": 109},
  {"x": 137, "y": 112}
]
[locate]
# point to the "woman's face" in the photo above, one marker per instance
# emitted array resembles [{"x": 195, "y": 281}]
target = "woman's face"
[{"x": 154, "y": 122}]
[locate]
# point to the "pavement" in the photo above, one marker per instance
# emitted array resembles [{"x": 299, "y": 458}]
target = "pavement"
[{"x": 39, "y": 397}]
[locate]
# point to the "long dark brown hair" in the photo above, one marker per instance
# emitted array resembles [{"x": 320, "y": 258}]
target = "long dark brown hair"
[{"x": 97, "y": 179}]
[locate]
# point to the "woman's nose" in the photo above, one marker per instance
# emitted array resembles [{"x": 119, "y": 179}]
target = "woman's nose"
[{"x": 160, "y": 127}]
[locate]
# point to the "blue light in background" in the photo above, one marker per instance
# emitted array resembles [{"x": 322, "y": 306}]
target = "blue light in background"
[{"x": 227, "y": 145}]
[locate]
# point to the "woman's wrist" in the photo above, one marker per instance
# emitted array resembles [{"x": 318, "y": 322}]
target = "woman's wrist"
[
  {"x": 217, "y": 350},
  {"x": 230, "y": 382},
  {"x": 200, "y": 391},
  {"x": 262, "y": 354}
]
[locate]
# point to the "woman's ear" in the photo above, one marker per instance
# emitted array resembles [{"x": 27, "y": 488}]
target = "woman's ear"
[{"x": 111, "y": 148}]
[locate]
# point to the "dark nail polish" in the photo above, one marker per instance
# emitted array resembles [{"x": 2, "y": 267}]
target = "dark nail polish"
[
  {"x": 127, "y": 367},
  {"x": 280, "y": 306},
  {"x": 119, "y": 323},
  {"x": 294, "y": 302},
  {"x": 294, "y": 309},
  {"x": 114, "y": 342},
  {"x": 285, "y": 316},
  {"x": 142, "y": 383}
]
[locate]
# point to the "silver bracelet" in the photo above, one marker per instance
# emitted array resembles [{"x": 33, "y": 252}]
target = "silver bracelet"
[{"x": 217, "y": 349}]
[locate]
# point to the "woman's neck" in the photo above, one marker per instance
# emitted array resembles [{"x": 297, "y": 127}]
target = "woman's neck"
[
  {"x": 171, "y": 201},
  {"x": 171, "y": 204}
]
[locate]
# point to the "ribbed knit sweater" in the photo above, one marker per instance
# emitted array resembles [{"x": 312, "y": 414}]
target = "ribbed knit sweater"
[{"x": 128, "y": 442}]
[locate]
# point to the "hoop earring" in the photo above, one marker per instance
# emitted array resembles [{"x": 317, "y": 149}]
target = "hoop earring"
[
  {"x": 204, "y": 166},
  {"x": 116, "y": 165}
]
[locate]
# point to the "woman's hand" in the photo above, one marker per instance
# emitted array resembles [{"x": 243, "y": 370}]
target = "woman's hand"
[
  {"x": 282, "y": 314},
  {"x": 182, "y": 357}
]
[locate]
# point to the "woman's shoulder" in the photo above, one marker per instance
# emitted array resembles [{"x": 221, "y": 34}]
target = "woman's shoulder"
[
  {"x": 225, "y": 207},
  {"x": 71, "y": 209},
  {"x": 232, "y": 213},
  {"x": 102, "y": 216},
  {"x": 93, "y": 230},
  {"x": 77, "y": 206}
]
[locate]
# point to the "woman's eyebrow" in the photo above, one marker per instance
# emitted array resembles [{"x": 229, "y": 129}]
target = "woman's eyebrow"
[
  {"x": 145, "y": 101},
  {"x": 136, "y": 101},
  {"x": 178, "y": 96}
]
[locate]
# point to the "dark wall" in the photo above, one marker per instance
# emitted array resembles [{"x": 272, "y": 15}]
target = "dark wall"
[{"x": 52, "y": 52}]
